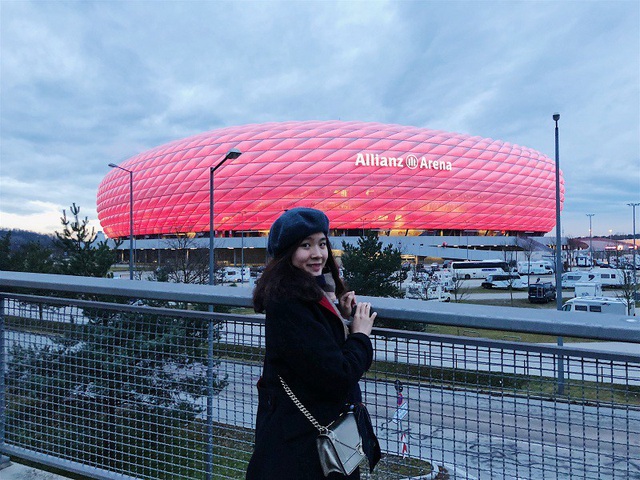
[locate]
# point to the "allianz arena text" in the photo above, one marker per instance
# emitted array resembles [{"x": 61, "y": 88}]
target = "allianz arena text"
[{"x": 363, "y": 175}]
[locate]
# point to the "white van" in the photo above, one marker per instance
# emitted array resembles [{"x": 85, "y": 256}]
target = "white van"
[
  {"x": 504, "y": 280},
  {"x": 535, "y": 267},
  {"x": 599, "y": 305}
]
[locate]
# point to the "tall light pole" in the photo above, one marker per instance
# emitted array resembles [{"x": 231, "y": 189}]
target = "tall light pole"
[
  {"x": 590, "y": 215},
  {"x": 231, "y": 154},
  {"x": 242, "y": 250},
  {"x": 556, "y": 117},
  {"x": 633, "y": 206},
  {"x": 113, "y": 165}
]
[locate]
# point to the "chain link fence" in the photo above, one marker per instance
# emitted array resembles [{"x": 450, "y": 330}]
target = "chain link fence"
[{"x": 160, "y": 389}]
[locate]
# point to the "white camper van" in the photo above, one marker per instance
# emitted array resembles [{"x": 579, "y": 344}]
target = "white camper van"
[
  {"x": 423, "y": 291},
  {"x": 599, "y": 305},
  {"x": 583, "y": 261},
  {"x": 235, "y": 274},
  {"x": 588, "y": 289},
  {"x": 504, "y": 280},
  {"x": 535, "y": 267},
  {"x": 607, "y": 277}
]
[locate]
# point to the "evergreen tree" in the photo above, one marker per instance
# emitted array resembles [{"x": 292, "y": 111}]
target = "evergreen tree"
[
  {"x": 372, "y": 270},
  {"x": 79, "y": 254},
  {"x": 114, "y": 378},
  {"x": 26, "y": 257},
  {"x": 5, "y": 251}
]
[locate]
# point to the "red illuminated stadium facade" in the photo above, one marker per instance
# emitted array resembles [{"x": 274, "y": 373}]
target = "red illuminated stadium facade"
[{"x": 397, "y": 179}]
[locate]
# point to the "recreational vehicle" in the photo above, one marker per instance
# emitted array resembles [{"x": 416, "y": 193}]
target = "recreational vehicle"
[
  {"x": 583, "y": 261},
  {"x": 504, "y": 280},
  {"x": 588, "y": 289},
  {"x": 607, "y": 277},
  {"x": 477, "y": 269},
  {"x": 535, "y": 267},
  {"x": 235, "y": 274},
  {"x": 599, "y": 305},
  {"x": 421, "y": 291}
]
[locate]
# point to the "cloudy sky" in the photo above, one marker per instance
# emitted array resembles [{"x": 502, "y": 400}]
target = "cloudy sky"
[{"x": 84, "y": 84}]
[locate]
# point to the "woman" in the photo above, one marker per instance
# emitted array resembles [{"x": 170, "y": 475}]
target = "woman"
[{"x": 308, "y": 344}]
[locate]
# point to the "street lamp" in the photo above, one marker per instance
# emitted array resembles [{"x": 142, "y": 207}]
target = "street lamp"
[
  {"x": 231, "y": 154},
  {"x": 590, "y": 215},
  {"x": 556, "y": 117},
  {"x": 242, "y": 250},
  {"x": 113, "y": 165},
  {"x": 633, "y": 206}
]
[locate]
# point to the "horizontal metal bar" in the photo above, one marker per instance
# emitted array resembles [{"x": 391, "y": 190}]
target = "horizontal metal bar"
[
  {"x": 120, "y": 307},
  {"x": 62, "y": 464},
  {"x": 421, "y": 337},
  {"x": 610, "y": 327}
]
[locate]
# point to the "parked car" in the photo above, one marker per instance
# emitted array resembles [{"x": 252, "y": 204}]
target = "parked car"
[{"x": 542, "y": 292}]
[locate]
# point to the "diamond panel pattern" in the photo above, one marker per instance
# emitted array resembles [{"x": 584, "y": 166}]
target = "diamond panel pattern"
[{"x": 377, "y": 175}]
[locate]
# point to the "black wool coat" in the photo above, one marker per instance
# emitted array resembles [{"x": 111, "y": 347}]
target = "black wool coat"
[{"x": 306, "y": 345}]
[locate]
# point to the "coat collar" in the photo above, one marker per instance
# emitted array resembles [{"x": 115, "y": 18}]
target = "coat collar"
[{"x": 324, "y": 302}]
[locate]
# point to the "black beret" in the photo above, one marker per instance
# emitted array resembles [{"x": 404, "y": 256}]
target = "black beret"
[{"x": 293, "y": 226}]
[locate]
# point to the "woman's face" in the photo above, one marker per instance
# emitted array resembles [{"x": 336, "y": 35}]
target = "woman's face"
[{"x": 311, "y": 255}]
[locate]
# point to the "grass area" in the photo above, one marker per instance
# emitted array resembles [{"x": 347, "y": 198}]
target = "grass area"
[
  {"x": 498, "y": 383},
  {"x": 393, "y": 466},
  {"x": 499, "y": 334}
]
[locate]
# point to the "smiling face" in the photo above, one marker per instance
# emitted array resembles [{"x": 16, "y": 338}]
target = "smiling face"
[{"x": 311, "y": 255}]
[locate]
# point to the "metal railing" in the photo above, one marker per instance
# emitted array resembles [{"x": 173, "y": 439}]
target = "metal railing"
[{"x": 138, "y": 380}]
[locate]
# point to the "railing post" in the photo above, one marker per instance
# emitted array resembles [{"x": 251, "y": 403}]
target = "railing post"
[
  {"x": 560, "y": 369},
  {"x": 4, "y": 460},
  {"x": 210, "y": 365}
]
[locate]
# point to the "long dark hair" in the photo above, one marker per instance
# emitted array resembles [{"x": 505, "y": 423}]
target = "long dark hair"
[{"x": 281, "y": 280}]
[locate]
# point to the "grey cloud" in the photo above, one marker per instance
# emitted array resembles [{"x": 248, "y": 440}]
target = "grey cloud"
[{"x": 89, "y": 83}]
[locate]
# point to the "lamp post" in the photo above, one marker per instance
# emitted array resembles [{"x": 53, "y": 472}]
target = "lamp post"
[
  {"x": 556, "y": 117},
  {"x": 633, "y": 206},
  {"x": 242, "y": 250},
  {"x": 113, "y": 165},
  {"x": 590, "y": 215},
  {"x": 231, "y": 154}
]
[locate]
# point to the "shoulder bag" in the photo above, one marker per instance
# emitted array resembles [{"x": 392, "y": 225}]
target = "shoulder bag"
[{"x": 339, "y": 443}]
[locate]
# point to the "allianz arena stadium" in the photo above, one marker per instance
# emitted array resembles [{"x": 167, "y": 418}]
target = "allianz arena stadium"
[{"x": 399, "y": 180}]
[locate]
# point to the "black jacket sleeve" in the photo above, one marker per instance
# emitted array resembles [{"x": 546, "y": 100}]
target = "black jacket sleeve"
[{"x": 307, "y": 346}]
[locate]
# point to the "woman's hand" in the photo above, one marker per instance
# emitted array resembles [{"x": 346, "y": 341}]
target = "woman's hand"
[
  {"x": 346, "y": 303},
  {"x": 363, "y": 319}
]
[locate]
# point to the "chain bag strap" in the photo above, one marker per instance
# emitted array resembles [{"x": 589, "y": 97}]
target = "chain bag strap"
[{"x": 339, "y": 443}]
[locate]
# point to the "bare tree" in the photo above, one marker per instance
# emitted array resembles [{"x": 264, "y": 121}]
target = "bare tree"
[
  {"x": 508, "y": 258},
  {"x": 460, "y": 290},
  {"x": 628, "y": 288},
  {"x": 185, "y": 263},
  {"x": 528, "y": 249}
]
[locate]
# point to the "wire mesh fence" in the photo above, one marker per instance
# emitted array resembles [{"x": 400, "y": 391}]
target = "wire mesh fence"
[{"x": 164, "y": 390}]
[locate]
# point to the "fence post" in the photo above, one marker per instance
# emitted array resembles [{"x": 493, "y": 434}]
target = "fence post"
[
  {"x": 4, "y": 460},
  {"x": 209, "y": 457},
  {"x": 560, "y": 369}
]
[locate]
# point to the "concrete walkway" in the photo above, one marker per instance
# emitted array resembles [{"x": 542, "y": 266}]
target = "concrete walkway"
[{"x": 17, "y": 471}]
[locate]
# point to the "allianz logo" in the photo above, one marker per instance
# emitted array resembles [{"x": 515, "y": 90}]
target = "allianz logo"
[{"x": 411, "y": 162}]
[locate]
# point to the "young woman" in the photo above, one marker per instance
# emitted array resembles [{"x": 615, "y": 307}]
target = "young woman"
[{"x": 309, "y": 345}]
